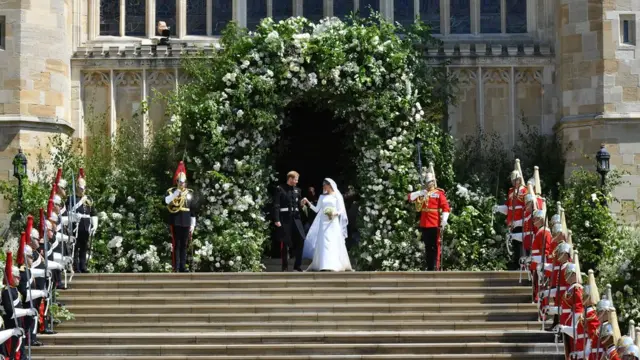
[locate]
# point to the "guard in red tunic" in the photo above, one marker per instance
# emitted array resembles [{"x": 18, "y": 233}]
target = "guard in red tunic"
[
  {"x": 572, "y": 315},
  {"x": 591, "y": 296},
  {"x": 514, "y": 209},
  {"x": 182, "y": 218},
  {"x": 434, "y": 213},
  {"x": 540, "y": 250}
]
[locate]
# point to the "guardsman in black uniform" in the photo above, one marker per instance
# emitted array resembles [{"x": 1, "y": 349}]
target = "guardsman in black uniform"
[
  {"x": 286, "y": 216},
  {"x": 12, "y": 301},
  {"x": 85, "y": 222},
  {"x": 182, "y": 218}
]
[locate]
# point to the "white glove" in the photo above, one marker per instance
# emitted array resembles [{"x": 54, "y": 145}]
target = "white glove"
[
  {"x": 32, "y": 312},
  {"x": 18, "y": 332},
  {"x": 501, "y": 209},
  {"x": 193, "y": 225},
  {"x": 445, "y": 218},
  {"x": 94, "y": 225},
  {"x": 169, "y": 198},
  {"x": 64, "y": 220}
]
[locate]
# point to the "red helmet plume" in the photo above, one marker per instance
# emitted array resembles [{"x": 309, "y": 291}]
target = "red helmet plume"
[
  {"x": 180, "y": 174},
  {"x": 29, "y": 225},
  {"x": 54, "y": 190},
  {"x": 49, "y": 208},
  {"x": 23, "y": 243},
  {"x": 58, "y": 176},
  {"x": 82, "y": 181},
  {"x": 8, "y": 270}
]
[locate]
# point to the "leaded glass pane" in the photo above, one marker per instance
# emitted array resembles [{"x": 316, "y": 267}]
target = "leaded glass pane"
[
  {"x": 166, "y": 11},
  {"x": 313, "y": 9},
  {"x": 516, "y": 16},
  {"x": 222, "y": 15},
  {"x": 430, "y": 14},
  {"x": 403, "y": 12},
  {"x": 282, "y": 9},
  {"x": 366, "y": 5},
  {"x": 256, "y": 11},
  {"x": 136, "y": 21},
  {"x": 343, "y": 8},
  {"x": 110, "y": 17},
  {"x": 197, "y": 17},
  {"x": 490, "y": 17},
  {"x": 460, "y": 16}
]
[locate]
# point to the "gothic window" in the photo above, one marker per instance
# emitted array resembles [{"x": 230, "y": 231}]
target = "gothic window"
[
  {"x": 222, "y": 14},
  {"x": 197, "y": 17},
  {"x": 403, "y": 12},
  {"x": 256, "y": 11},
  {"x": 166, "y": 11},
  {"x": 282, "y": 9},
  {"x": 135, "y": 19},
  {"x": 430, "y": 14},
  {"x": 110, "y": 17},
  {"x": 313, "y": 10},
  {"x": 2, "y": 32},
  {"x": 366, "y": 5},
  {"x": 516, "y": 16},
  {"x": 460, "y": 11},
  {"x": 491, "y": 16},
  {"x": 343, "y": 8}
]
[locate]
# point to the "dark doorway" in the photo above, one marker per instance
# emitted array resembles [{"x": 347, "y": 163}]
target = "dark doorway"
[{"x": 316, "y": 144}]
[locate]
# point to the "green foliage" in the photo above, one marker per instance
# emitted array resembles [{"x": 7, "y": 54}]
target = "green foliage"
[
  {"x": 377, "y": 81},
  {"x": 588, "y": 217}
]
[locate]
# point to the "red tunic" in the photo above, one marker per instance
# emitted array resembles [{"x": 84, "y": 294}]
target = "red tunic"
[
  {"x": 541, "y": 247},
  {"x": 515, "y": 206},
  {"x": 572, "y": 308},
  {"x": 430, "y": 212},
  {"x": 592, "y": 325}
]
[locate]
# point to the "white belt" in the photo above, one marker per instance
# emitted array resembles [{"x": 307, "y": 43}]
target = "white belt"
[
  {"x": 537, "y": 258},
  {"x": 566, "y": 311},
  {"x": 287, "y": 210},
  {"x": 517, "y": 207},
  {"x": 577, "y": 355},
  {"x": 535, "y": 252}
]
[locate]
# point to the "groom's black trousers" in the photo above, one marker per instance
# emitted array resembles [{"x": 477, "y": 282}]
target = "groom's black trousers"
[{"x": 298, "y": 246}]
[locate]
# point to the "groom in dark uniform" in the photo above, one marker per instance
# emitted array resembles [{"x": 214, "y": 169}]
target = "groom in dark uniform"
[{"x": 286, "y": 215}]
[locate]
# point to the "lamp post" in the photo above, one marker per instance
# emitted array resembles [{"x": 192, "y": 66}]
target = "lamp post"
[
  {"x": 20, "y": 172},
  {"x": 602, "y": 163}
]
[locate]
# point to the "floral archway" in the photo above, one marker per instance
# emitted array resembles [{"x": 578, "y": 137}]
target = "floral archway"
[{"x": 370, "y": 72}]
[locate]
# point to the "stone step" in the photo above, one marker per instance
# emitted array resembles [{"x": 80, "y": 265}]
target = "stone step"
[
  {"x": 309, "y": 337},
  {"x": 305, "y": 349},
  {"x": 295, "y": 291},
  {"x": 505, "y": 275},
  {"x": 297, "y": 308},
  {"x": 495, "y": 297},
  {"x": 300, "y": 282},
  {"x": 295, "y": 326},
  {"x": 530, "y": 356},
  {"x": 480, "y": 314}
]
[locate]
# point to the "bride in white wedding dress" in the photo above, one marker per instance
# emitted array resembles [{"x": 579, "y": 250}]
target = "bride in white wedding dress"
[{"x": 325, "y": 242}]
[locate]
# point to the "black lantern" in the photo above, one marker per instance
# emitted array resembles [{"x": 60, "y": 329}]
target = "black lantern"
[
  {"x": 602, "y": 163},
  {"x": 20, "y": 172}
]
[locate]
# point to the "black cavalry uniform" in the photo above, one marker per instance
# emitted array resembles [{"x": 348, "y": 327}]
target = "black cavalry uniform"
[
  {"x": 83, "y": 210},
  {"x": 286, "y": 210},
  {"x": 181, "y": 212}
]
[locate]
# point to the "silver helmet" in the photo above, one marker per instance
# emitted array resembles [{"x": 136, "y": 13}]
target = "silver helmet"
[
  {"x": 529, "y": 198},
  {"x": 556, "y": 229},
  {"x": 632, "y": 352},
  {"x": 605, "y": 305},
  {"x": 539, "y": 214},
  {"x": 570, "y": 269},
  {"x": 556, "y": 219},
  {"x": 565, "y": 248},
  {"x": 623, "y": 344},
  {"x": 606, "y": 331}
]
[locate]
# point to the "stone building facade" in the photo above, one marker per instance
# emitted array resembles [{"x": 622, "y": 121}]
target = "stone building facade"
[{"x": 564, "y": 65}]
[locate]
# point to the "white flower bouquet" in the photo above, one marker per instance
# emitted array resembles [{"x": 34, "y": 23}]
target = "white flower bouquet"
[{"x": 330, "y": 212}]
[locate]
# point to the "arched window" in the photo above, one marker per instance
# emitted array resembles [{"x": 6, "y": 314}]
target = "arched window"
[
  {"x": 516, "y": 16},
  {"x": 490, "y": 16},
  {"x": 197, "y": 17},
  {"x": 222, "y": 14},
  {"x": 135, "y": 19},
  {"x": 460, "y": 18}
]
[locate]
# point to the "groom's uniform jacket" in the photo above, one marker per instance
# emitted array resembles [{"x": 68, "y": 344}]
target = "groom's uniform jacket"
[
  {"x": 286, "y": 210},
  {"x": 432, "y": 203}
]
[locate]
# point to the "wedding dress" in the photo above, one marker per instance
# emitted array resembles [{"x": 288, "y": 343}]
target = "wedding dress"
[{"x": 325, "y": 242}]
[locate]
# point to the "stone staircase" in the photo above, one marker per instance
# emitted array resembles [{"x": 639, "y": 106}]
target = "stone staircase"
[{"x": 360, "y": 315}]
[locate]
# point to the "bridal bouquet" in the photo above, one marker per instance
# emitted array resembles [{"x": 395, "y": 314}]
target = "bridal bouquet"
[{"x": 330, "y": 212}]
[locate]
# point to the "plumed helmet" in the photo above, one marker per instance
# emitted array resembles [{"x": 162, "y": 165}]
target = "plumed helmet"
[
  {"x": 180, "y": 176},
  {"x": 570, "y": 270},
  {"x": 632, "y": 351},
  {"x": 556, "y": 229},
  {"x": 57, "y": 200},
  {"x": 8, "y": 269},
  {"x": 29, "y": 229},
  {"x": 564, "y": 248},
  {"x": 623, "y": 343},
  {"x": 556, "y": 219},
  {"x": 605, "y": 305},
  {"x": 515, "y": 175},
  {"x": 62, "y": 184},
  {"x": 35, "y": 234},
  {"x": 28, "y": 251},
  {"x": 529, "y": 198},
  {"x": 20, "y": 259},
  {"x": 429, "y": 177},
  {"x": 539, "y": 214},
  {"x": 606, "y": 331}
]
